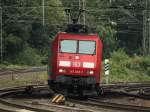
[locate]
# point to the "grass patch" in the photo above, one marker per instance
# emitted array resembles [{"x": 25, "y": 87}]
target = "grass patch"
[
  {"x": 128, "y": 69},
  {"x": 23, "y": 79},
  {"x": 11, "y": 66}
]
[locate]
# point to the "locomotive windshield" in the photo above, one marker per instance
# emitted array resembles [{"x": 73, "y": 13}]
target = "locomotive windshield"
[
  {"x": 77, "y": 46},
  {"x": 68, "y": 46}
]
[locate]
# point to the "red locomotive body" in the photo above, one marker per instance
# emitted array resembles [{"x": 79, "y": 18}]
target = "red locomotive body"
[{"x": 75, "y": 61}]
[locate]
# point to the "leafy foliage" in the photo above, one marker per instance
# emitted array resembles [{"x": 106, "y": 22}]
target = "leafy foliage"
[
  {"x": 24, "y": 32},
  {"x": 107, "y": 35},
  {"x": 25, "y": 38},
  {"x": 29, "y": 56},
  {"x": 128, "y": 69}
]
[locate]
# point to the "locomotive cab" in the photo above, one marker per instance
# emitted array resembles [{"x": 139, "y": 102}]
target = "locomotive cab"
[{"x": 75, "y": 61}]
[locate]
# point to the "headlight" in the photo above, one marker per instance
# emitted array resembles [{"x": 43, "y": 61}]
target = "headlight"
[
  {"x": 65, "y": 63},
  {"x": 88, "y": 65},
  {"x": 91, "y": 72},
  {"x": 61, "y": 70}
]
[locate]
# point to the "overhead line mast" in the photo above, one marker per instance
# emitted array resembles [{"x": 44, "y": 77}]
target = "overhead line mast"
[
  {"x": 43, "y": 10},
  {"x": 84, "y": 18},
  {"x": 1, "y": 21},
  {"x": 79, "y": 9},
  {"x": 146, "y": 29}
]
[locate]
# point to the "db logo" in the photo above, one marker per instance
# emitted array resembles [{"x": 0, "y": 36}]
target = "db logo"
[{"x": 76, "y": 64}]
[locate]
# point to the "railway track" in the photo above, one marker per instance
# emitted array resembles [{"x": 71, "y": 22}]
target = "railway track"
[
  {"x": 114, "y": 106},
  {"x": 12, "y": 106},
  {"x": 23, "y": 70},
  {"x": 138, "y": 90},
  {"x": 132, "y": 91},
  {"x": 10, "y": 103}
]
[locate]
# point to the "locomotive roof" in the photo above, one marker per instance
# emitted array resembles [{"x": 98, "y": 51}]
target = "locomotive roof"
[{"x": 67, "y": 35}]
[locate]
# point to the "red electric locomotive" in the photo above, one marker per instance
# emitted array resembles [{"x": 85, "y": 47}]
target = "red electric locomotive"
[{"x": 75, "y": 63}]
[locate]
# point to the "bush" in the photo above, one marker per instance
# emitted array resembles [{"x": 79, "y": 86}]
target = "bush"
[
  {"x": 29, "y": 56},
  {"x": 119, "y": 60},
  {"x": 128, "y": 69},
  {"x": 148, "y": 71},
  {"x": 139, "y": 63},
  {"x": 119, "y": 56}
]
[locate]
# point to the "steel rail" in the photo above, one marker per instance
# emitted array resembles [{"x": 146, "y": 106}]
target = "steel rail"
[
  {"x": 140, "y": 92},
  {"x": 20, "y": 106},
  {"x": 6, "y": 110},
  {"x": 25, "y": 70},
  {"x": 137, "y": 90},
  {"x": 115, "y": 106},
  {"x": 13, "y": 90},
  {"x": 122, "y": 106},
  {"x": 130, "y": 84},
  {"x": 70, "y": 109},
  {"x": 123, "y": 88},
  {"x": 5, "y": 92},
  {"x": 90, "y": 101}
]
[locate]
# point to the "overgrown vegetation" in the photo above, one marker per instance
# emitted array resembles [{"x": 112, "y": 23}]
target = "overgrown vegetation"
[
  {"x": 128, "y": 69},
  {"x": 25, "y": 37}
]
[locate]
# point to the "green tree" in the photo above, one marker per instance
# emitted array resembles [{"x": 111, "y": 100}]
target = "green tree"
[{"x": 23, "y": 29}]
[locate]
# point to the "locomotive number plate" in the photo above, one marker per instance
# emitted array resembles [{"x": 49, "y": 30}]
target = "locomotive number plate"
[
  {"x": 76, "y": 64},
  {"x": 76, "y": 71}
]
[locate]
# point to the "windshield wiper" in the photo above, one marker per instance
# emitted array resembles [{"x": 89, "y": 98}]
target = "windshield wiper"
[
  {"x": 94, "y": 52},
  {"x": 60, "y": 50}
]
